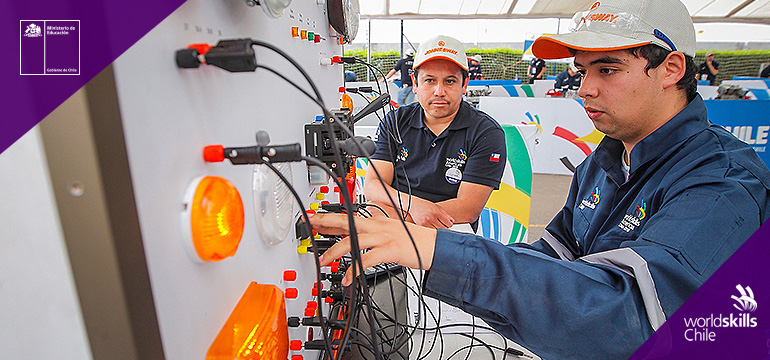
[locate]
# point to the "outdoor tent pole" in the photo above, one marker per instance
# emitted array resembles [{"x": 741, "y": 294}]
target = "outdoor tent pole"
[
  {"x": 369, "y": 50},
  {"x": 402, "y": 39}
]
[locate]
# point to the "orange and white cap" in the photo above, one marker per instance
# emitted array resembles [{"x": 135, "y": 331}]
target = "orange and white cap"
[
  {"x": 441, "y": 47},
  {"x": 623, "y": 24}
]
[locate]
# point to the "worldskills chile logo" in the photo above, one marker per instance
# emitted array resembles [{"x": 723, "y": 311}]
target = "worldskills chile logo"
[
  {"x": 631, "y": 222},
  {"x": 704, "y": 329},
  {"x": 592, "y": 200}
]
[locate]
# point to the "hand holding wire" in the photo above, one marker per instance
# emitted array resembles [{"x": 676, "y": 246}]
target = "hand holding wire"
[{"x": 385, "y": 238}]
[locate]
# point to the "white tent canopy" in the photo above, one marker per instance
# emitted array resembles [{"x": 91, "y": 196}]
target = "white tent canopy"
[{"x": 752, "y": 11}]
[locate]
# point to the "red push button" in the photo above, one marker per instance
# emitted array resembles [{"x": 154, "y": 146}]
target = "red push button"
[
  {"x": 295, "y": 345},
  {"x": 290, "y": 275},
  {"x": 291, "y": 293}
]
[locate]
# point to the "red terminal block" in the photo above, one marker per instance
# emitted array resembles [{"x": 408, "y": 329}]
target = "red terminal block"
[
  {"x": 325, "y": 189},
  {"x": 315, "y": 289},
  {"x": 317, "y": 39},
  {"x": 324, "y": 202},
  {"x": 289, "y": 275},
  {"x": 214, "y": 153},
  {"x": 309, "y": 311},
  {"x": 312, "y": 304},
  {"x": 202, "y": 48},
  {"x": 291, "y": 293},
  {"x": 329, "y": 300},
  {"x": 336, "y": 189},
  {"x": 310, "y": 212},
  {"x": 336, "y": 59},
  {"x": 296, "y": 357},
  {"x": 295, "y": 345},
  {"x": 335, "y": 266}
]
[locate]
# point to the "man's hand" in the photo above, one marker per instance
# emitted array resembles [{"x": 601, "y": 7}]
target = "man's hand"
[
  {"x": 386, "y": 238},
  {"x": 426, "y": 213}
]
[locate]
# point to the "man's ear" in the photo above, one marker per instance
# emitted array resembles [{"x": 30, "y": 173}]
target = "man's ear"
[
  {"x": 414, "y": 83},
  {"x": 674, "y": 67}
]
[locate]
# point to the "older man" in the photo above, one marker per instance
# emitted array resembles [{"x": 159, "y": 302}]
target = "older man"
[{"x": 439, "y": 158}]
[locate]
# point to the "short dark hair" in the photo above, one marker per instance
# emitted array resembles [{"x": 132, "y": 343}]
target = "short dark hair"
[
  {"x": 462, "y": 71},
  {"x": 655, "y": 55}
]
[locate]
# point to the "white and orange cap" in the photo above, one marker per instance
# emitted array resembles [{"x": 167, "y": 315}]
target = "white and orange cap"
[
  {"x": 441, "y": 47},
  {"x": 623, "y": 24}
]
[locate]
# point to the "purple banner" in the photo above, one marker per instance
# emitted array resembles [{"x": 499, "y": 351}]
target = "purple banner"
[
  {"x": 75, "y": 38},
  {"x": 728, "y": 317}
]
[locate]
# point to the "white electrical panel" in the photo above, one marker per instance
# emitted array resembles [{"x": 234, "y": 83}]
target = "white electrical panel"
[{"x": 170, "y": 114}]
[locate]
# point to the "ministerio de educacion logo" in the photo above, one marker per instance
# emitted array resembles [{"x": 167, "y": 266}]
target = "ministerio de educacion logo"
[
  {"x": 33, "y": 30},
  {"x": 704, "y": 329}
]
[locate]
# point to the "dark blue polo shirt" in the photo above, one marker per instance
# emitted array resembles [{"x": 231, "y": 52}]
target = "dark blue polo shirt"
[{"x": 471, "y": 149}]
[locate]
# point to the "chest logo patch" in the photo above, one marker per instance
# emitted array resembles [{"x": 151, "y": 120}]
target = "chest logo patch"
[
  {"x": 592, "y": 200},
  {"x": 632, "y": 221},
  {"x": 462, "y": 155},
  {"x": 403, "y": 154},
  {"x": 453, "y": 175}
]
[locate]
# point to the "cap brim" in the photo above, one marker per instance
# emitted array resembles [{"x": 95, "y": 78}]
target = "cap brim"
[
  {"x": 557, "y": 46},
  {"x": 462, "y": 66}
]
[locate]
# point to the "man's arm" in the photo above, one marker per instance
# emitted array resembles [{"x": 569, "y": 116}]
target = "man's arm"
[
  {"x": 390, "y": 73},
  {"x": 421, "y": 211},
  {"x": 713, "y": 69},
  {"x": 470, "y": 200},
  {"x": 542, "y": 71}
]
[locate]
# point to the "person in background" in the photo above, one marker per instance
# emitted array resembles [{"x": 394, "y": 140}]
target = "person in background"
[
  {"x": 663, "y": 201},
  {"x": 474, "y": 68},
  {"x": 536, "y": 70},
  {"x": 404, "y": 67},
  {"x": 765, "y": 73},
  {"x": 568, "y": 79},
  {"x": 350, "y": 76},
  {"x": 440, "y": 158},
  {"x": 709, "y": 69}
]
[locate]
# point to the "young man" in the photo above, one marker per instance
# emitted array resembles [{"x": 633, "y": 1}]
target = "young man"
[
  {"x": 440, "y": 156},
  {"x": 404, "y": 67},
  {"x": 709, "y": 69},
  {"x": 660, "y": 204}
]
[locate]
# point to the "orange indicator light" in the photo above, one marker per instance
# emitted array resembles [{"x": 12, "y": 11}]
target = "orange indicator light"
[
  {"x": 256, "y": 329},
  {"x": 214, "y": 218}
]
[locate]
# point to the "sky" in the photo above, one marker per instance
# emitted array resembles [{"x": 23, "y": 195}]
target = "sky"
[{"x": 508, "y": 30}]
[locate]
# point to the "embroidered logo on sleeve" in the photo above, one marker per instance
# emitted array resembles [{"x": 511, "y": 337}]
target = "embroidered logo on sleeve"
[{"x": 495, "y": 157}]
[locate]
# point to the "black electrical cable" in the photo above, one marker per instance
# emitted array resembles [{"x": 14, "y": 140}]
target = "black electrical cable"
[
  {"x": 319, "y": 101},
  {"x": 312, "y": 240},
  {"x": 354, "y": 249}
]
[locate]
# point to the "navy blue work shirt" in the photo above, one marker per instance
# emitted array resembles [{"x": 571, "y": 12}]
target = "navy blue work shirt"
[{"x": 471, "y": 149}]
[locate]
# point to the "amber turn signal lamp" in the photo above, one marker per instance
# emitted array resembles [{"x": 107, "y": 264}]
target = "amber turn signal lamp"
[
  {"x": 256, "y": 329},
  {"x": 212, "y": 219}
]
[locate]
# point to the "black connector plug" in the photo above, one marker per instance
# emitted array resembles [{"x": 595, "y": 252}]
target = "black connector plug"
[
  {"x": 516, "y": 352},
  {"x": 232, "y": 55},
  {"x": 319, "y": 345}
]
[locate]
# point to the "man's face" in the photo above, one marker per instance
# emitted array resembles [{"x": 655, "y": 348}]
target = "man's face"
[
  {"x": 440, "y": 88},
  {"x": 710, "y": 57},
  {"x": 618, "y": 95}
]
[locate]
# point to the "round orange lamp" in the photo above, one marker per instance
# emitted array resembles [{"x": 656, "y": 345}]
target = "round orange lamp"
[{"x": 212, "y": 220}]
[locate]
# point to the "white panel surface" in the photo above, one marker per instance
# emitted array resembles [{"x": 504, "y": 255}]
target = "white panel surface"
[
  {"x": 40, "y": 316},
  {"x": 170, "y": 114}
]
